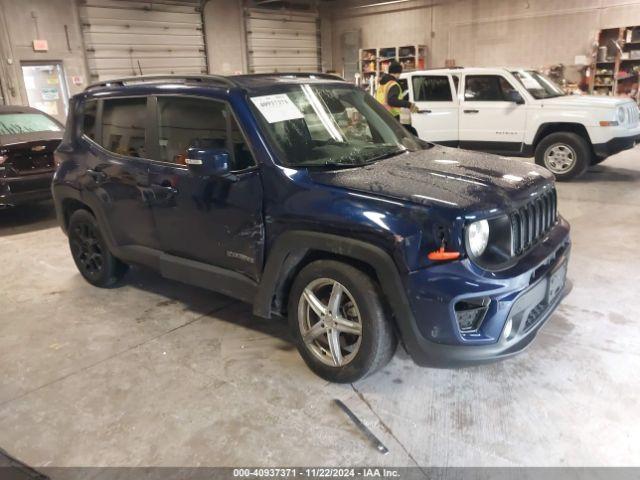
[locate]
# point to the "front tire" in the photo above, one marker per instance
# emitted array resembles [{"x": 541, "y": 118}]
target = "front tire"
[
  {"x": 567, "y": 155},
  {"x": 90, "y": 252},
  {"x": 338, "y": 322}
]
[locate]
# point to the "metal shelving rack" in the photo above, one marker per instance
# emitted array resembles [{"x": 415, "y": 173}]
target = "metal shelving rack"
[
  {"x": 375, "y": 61},
  {"x": 615, "y": 63}
]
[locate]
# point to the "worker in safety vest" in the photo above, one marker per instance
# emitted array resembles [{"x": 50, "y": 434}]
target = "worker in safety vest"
[{"x": 390, "y": 94}]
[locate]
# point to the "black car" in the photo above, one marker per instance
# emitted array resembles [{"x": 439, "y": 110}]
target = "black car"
[{"x": 28, "y": 138}]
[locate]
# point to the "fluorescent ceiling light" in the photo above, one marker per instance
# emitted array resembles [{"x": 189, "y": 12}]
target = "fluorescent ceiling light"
[{"x": 379, "y": 4}]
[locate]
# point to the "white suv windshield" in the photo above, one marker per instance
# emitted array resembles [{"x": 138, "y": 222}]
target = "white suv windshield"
[
  {"x": 330, "y": 125},
  {"x": 538, "y": 85}
]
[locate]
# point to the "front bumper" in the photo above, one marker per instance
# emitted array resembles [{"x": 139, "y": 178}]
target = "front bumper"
[
  {"x": 520, "y": 295},
  {"x": 25, "y": 189},
  {"x": 615, "y": 145}
]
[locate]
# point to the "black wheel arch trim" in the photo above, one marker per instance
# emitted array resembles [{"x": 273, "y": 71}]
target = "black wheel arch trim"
[
  {"x": 290, "y": 249},
  {"x": 548, "y": 128},
  {"x": 64, "y": 192}
]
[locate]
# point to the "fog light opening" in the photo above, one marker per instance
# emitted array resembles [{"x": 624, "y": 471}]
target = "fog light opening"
[{"x": 471, "y": 313}]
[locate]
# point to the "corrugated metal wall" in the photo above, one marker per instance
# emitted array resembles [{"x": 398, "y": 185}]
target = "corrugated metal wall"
[
  {"x": 123, "y": 37},
  {"x": 279, "y": 41}
]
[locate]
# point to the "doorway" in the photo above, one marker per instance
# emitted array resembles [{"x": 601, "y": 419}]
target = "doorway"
[{"x": 46, "y": 88}]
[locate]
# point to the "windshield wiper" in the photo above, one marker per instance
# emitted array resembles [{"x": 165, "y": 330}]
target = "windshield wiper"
[
  {"x": 326, "y": 165},
  {"x": 383, "y": 156}
]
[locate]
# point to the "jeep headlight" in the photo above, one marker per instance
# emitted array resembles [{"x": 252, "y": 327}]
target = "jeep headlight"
[
  {"x": 621, "y": 115},
  {"x": 478, "y": 237},
  {"x": 489, "y": 243}
]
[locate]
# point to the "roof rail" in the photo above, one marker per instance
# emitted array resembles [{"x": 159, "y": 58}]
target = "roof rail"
[
  {"x": 327, "y": 76},
  {"x": 142, "y": 79}
]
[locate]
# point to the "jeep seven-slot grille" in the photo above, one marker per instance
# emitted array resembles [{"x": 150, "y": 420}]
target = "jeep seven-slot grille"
[{"x": 530, "y": 222}]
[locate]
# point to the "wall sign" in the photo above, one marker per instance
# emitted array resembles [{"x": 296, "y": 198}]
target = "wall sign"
[
  {"x": 40, "y": 46},
  {"x": 50, "y": 93}
]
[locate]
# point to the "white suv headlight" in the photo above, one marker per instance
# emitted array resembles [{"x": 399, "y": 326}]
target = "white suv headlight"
[
  {"x": 478, "y": 237},
  {"x": 621, "y": 115}
]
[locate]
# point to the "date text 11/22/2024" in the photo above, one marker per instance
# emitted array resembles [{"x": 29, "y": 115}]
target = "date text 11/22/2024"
[{"x": 319, "y": 472}]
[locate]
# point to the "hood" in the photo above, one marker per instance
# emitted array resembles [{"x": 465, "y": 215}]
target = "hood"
[
  {"x": 444, "y": 177},
  {"x": 585, "y": 101}
]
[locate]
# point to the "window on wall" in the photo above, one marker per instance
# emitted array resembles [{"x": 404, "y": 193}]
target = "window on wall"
[
  {"x": 431, "y": 89},
  {"x": 89, "y": 119},
  {"x": 487, "y": 88},
  {"x": 124, "y": 123},
  {"x": 184, "y": 123}
]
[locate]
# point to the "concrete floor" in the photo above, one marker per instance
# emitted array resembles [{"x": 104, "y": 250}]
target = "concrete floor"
[{"x": 158, "y": 373}]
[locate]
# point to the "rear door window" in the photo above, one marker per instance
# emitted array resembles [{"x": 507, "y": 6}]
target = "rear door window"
[
  {"x": 487, "y": 88},
  {"x": 431, "y": 88},
  {"x": 124, "y": 126}
]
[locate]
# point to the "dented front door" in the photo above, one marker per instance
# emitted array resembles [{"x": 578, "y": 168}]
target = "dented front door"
[{"x": 214, "y": 220}]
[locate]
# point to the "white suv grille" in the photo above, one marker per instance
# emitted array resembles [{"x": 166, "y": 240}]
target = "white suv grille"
[{"x": 633, "y": 115}]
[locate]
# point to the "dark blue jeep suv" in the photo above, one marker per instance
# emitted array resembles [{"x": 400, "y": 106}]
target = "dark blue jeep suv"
[{"x": 300, "y": 194}]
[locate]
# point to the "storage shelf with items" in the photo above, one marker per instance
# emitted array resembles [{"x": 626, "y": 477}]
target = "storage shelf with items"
[
  {"x": 412, "y": 57},
  {"x": 368, "y": 67},
  {"x": 615, "y": 67},
  {"x": 374, "y": 62}
]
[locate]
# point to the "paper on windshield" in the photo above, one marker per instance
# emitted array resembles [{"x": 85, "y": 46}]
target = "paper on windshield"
[{"x": 277, "y": 108}]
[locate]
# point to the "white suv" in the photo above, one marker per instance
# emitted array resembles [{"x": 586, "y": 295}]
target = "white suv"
[{"x": 519, "y": 112}]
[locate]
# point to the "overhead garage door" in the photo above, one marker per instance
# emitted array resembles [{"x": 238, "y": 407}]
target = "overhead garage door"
[
  {"x": 125, "y": 38},
  {"x": 282, "y": 41}
]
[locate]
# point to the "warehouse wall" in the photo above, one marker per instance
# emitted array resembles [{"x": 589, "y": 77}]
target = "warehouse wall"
[
  {"x": 18, "y": 28},
  {"x": 391, "y": 25},
  {"x": 486, "y": 32},
  {"x": 225, "y": 37}
]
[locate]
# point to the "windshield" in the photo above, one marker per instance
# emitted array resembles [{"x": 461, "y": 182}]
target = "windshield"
[
  {"x": 538, "y": 85},
  {"x": 330, "y": 125},
  {"x": 15, "y": 123}
]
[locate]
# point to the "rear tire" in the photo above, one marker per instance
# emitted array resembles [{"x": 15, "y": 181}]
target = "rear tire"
[
  {"x": 567, "y": 155},
  {"x": 90, "y": 252},
  {"x": 338, "y": 322}
]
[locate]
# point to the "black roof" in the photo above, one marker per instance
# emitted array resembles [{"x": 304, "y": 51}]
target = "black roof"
[{"x": 245, "y": 82}]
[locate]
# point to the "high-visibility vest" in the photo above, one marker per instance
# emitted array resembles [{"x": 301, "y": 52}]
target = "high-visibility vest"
[{"x": 382, "y": 94}]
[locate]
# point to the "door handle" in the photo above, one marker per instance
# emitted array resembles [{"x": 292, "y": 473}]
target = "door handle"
[
  {"x": 471, "y": 111},
  {"x": 97, "y": 176},
  {"x": 424, "y": 111},
  {"x": 167, "y": 190}
]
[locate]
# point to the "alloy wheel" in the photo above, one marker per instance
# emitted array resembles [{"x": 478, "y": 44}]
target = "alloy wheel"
[
  {"x": 86, "y": 249},
  {"x": 330, "y": 322},
  {"x": 560, "y": 158}
]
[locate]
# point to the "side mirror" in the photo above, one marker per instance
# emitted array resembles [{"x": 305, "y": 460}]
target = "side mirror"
[
  {"x": 208, "y": 162},
  {"x": 515, "y": 97}
]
